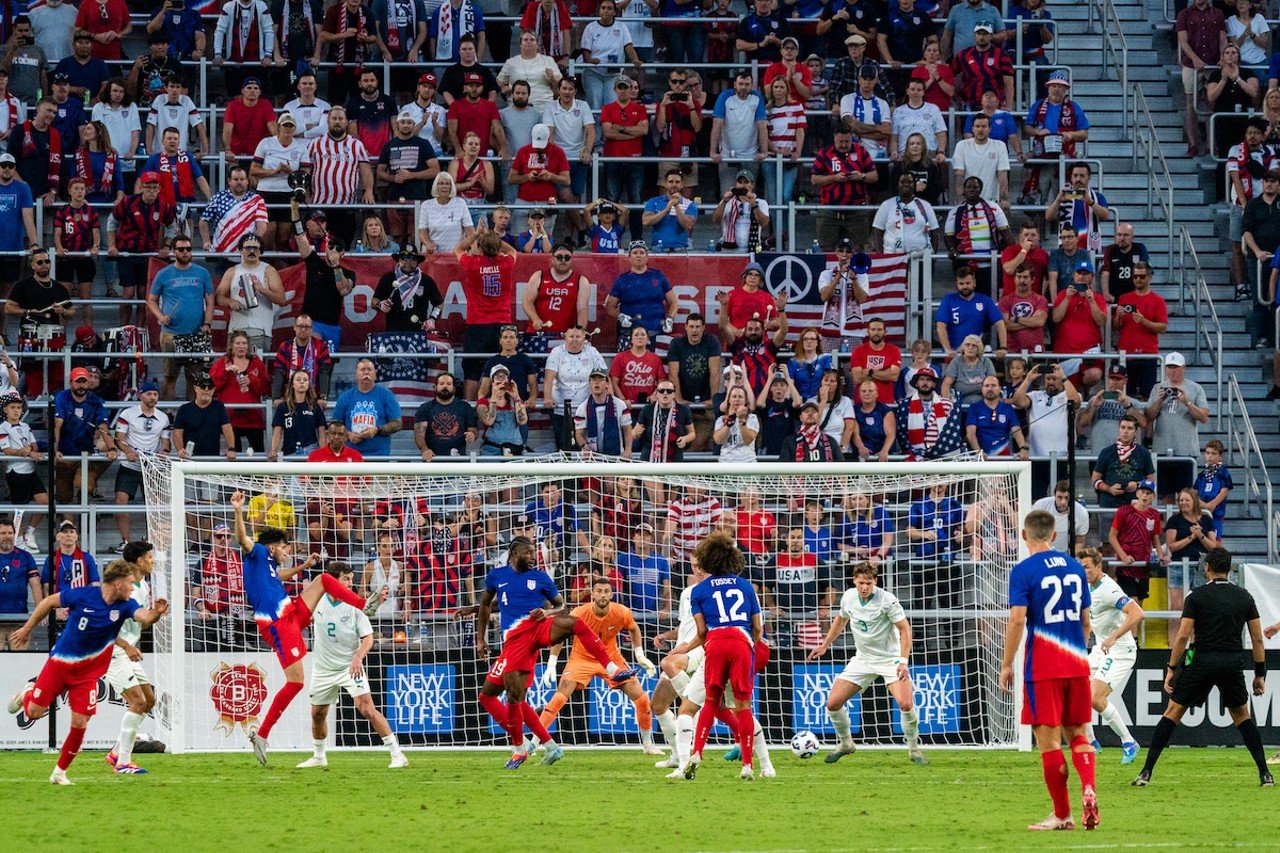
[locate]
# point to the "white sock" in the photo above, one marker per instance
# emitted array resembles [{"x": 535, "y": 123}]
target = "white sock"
[
  {"x": 646, "y": 738},
  {"x": 667, "y": 722},
  {"x": 760, "y": 748},
  {"x": 840, "y": 719},
  {"x": 684, "y": 738},
  {"x": 911, "y": 726},
  {"x": 1088, "y": 732},
  {"x": 1111, "y": 716},
  {"x": 680, "y": 681},
  {"x": 391, "y": 743},
  {"x": 317, "y": 747},
  {"x": 612, "y": 668},
  {"x": 128, "y": 734}
]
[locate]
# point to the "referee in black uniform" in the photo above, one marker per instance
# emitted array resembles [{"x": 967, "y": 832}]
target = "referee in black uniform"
[{"x": 1217, "y": 613}]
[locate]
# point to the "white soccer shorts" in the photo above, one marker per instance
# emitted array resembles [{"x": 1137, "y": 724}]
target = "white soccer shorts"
[
  {"x": 696, "y": 690},
  {"x": 123, "y": 673},
  {"x": 326, "y": 686},
  {"x": 864, "y": 672},
  {"x": 1112, "y": 669}
]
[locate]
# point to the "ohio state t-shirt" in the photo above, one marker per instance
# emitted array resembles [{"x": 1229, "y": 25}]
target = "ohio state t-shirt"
[{"x": 637, "y": 375}]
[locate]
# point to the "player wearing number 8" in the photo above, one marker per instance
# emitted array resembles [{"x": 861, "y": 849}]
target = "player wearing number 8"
[{"x": 1049, "y": 598}]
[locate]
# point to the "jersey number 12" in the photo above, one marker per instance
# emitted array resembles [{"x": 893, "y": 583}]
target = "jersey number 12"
[
  {"x": 1071, "y": 586},
  {"x": 737, "y": 608}
]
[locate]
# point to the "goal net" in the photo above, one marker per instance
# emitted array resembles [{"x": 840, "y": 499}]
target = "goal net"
[{"x": 944, "y": 535}]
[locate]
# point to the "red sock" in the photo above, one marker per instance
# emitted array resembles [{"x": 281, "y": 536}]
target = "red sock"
[
  {"x": 1085, "y": 761},
  {"x": 70, "y": 747},
  {"x": 1055, "y": 777},
  {"x": 706, "y": 719},
  {"x": 26, "y": 700},
  {"x": 591, "y": 643},
  {"x": 497, "y": 709},
  {"x": 730, "y": 719},
  {"x": 515, "y": 723},
  {"x": 746, "y": 734},
  {"x": 278, "y": 704},
  {"x": 534, "y": 723},
  {"x": 345, "y": 594}
]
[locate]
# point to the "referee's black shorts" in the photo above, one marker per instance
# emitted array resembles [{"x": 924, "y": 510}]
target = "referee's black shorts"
[{"x": 1207, "y": 670}]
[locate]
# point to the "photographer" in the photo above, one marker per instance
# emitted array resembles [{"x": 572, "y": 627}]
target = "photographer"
[
  {"x": 1046, "y": 410},
  {"x": 742, "y": 216},
  {"x": 1141, "y": 315},
  {"x": 1105, "y": 409},
  {"x": 1177, "y": 406},
  {"x": 327, "y": 282},
  {"x": 778, "y": 410},
  {"x": 502, "y": 414}
]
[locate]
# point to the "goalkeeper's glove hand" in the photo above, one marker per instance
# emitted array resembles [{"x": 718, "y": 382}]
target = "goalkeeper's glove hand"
[
  {"x": 644, "y": 662},
  {"x": 668, "y": 323},
  {"x": 624, "y": 320},
  {"x": 548, "y": 679}
]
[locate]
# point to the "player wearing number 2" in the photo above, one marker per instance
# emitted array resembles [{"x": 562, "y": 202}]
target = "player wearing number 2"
[
  {"x": 884, "y": 644},
  {"x": 1049, "y": 598},
  {"x": 727, "y": 613}
]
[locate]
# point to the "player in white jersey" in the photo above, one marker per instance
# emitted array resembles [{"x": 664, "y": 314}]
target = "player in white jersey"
[
  {"x": 883, "y": 637},
  {"x": 125, "y": 674},
  {"x": 343, "y": 636},
  {"x": 682, "y": 678},
  {"x": 1114, "y": 617}
]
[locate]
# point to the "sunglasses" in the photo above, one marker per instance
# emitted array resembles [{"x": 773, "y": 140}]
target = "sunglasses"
[
  {"x": 666, "y": 390},
  {"x": 563, "y": 257},
  {"x": 8, "y": 165},
  {"x": 677, "y": 82},
  {"x": 44, "y": 262},
  {"x": 507, "y": 329},
  {"x": 206, "y": 385}
]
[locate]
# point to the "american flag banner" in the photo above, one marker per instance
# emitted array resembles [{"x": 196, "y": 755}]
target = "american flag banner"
[
  {"x": 412, "y": 380},
  {"x": 234, "y": 218},
  {"x": 797, "y": 276}
]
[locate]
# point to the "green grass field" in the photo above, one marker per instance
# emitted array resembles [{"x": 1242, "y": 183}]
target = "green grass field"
[{"x": 595, "y": 800}]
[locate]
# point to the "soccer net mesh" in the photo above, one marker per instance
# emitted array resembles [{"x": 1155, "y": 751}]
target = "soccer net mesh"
[{"x": 945, "y": 536}]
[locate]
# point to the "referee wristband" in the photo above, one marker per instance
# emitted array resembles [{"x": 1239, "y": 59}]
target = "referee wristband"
[{"x": 1259, "y": 669}]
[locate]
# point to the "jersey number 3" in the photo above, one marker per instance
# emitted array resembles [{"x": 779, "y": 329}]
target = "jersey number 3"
[
  {"x": 1055, "y": 609},
  {"x": 737, "y": 608}
]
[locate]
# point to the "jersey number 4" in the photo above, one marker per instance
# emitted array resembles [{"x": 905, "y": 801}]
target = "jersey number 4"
[
  {"x": 737, "y": 607},
  {"x": 1057, "y": 610}
]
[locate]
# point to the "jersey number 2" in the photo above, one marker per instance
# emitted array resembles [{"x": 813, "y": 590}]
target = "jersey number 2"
[
  {"x": 737, "y": 610},
  {"x": 1057, "y": 587}
]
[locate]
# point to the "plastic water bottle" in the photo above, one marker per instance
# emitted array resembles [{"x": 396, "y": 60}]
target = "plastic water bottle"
[
  {"x": 359, "y": 247},
  {"x": 815, "y": 249},
  {"x": 711, "y": 245}
]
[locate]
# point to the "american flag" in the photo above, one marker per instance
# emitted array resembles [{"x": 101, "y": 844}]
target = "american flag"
[
  {"x": 412, "y": 380},
  {"x": 234, "y": 218},
  {"x": 797, "y": 275}
]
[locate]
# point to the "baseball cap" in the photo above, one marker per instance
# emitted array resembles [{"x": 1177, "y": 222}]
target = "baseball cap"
[
  {"x": 744, "y": 175},
  {"x": 67, "y": 524},
  {"x": 151, "y": 177},
  {"x": 59, "y": 78},
  {"x": 1084, "y": 265},
  {"x": 1062, "y": 78},
  {"x": 287, "y": 118},
  {"x": 598, "y": 371},
  {"x": 924, "y": 372},
  {"x": 79, "y": 373},
  {"x": 7, "y": 158},
  {"x": 844, "y": 246},
  {"x": 499, "y": 368},
  {"x": 1146, "y": 485},
  {"x": 85, "y": 332},
  {"x": 406, "y": 115},
  {"x": 983, "y": 27},
  {"x": 856, "y": 39},
  {"x": 792, "y": 40},
  {"x": 537, "y": 213},
  {"x": 1175, "y": 359},
  {"x": 623, "y": 82},
  {"x": 149, "y": 386},
  {"x": 644, "y": 527},
  {"x": 428, "y": 78},
  {"x": 318, "y": 216},
  {"x": 203, "y": 378},
  {"x": 637, "y": 244},
  {"x": 540, "y": 136},
  {"x": 251, "y": 81},
  {"x": 472, "y": 77},
  {"x": 1119, "y": 371},
  {"x": 869, "y": 70},
  {"x": 221, "y": 527},
  {"x": 811, "y": 405}
]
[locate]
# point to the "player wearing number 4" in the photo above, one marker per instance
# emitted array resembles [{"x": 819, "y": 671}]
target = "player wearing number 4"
[
  {"x": 343, "y": 636},
  {"x": 280, "y": 618},
  {"x": 1049, "y": 598},
  {"x": 884, "y": 643},
  {"x": 82, "y": 654},
  {"x": 1114, "y": 616}
]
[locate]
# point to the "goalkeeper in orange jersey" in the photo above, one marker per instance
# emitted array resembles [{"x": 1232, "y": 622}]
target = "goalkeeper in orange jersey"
[{"x": 606, "y": 619}]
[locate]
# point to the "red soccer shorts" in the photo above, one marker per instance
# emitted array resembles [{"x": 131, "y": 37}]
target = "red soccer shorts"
[
  {"x": 520, "y": 649},
  {"x": 284, "y": 635},
  {"x": 1057, "y": 702},
  {"x": 729, "y": 658},
  {"x": 763, "y": 654},
  {"x": 78, "y": 680}
]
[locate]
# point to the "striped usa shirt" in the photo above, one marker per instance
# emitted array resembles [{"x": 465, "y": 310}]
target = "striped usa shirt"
[
  {"x": 335, "y": 169},
  {"x": 693, "y": 521}
]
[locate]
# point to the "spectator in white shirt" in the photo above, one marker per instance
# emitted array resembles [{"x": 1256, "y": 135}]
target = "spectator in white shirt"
[
  {"x": 918, "y": 116},
  {"x": 869, "y": 115},
  {"x": 982, "y": 157},
  {"x": 905, "y": 223},
  {"x": 735, "y": 432},
  {"x": 1056, "y": 505}
]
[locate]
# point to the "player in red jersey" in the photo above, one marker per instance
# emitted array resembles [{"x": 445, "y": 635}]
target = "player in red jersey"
[
  {"x": 554, "y": 300},
  {"x": 82, "y": 654},
  {"x": 1049, "y": 598}
]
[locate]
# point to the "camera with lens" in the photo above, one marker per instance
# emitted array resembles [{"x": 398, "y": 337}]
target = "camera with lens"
[
  {"x": 300, "y": 183},
  {"x": 1170, "y": 392},
  {"x": 739, "y": 192},
  {"x": 1129, "y": 309}
]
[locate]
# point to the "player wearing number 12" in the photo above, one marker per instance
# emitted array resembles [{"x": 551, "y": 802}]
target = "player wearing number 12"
[
  {"x": 727, "y": 613},
  {"x": 1049, "y": 598}
]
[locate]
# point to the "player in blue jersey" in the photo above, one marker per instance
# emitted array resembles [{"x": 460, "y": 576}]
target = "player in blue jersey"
[
  {"x": 727, "y": 612},
  {"x": 82, "y": 654},
  {"x": 1049, "y": 598},
  {"x": 532, "y": 617},
  {"x": 281, "y": 619}
]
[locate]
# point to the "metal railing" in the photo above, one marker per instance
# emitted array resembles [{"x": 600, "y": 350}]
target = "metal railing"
[
  {"x": 1246, "y": 457},
  {"x": 1146, "y": 149},
  {"x": 1115, "y": 51}
]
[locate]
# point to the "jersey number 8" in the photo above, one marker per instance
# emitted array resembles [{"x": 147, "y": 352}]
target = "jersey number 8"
[{"x": 1058, "y": 585}]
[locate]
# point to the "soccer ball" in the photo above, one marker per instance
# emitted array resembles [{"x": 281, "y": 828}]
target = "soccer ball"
[{"x": 805, "y": 745}]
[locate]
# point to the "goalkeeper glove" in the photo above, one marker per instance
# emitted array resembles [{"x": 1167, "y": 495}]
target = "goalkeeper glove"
[
  {"x": 624, "y": 320},
  {"x": 644, "y": 662},
  {"x": 548, "y": 679}
]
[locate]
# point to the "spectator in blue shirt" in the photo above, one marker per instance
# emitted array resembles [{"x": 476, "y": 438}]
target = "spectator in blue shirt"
[
  {"x": 1213, "y": 484},
  {"x": 18, "y": 576},
  {"x": 551, "y": 518},
  {"x": 370, "y": 412},
  {"x": 957, "y": 34},
  {"x": 79, "y": 426},
  {"x": 186, "y": 30},
  {"x": 641, "y": 297},
  {"x": 992, "y": 426},
  {"x": 933, "y": 524},
  {"x": 648, "y": 575},
  {"x": 86, "y": 73},
  {"x": 672, "y": 216},
  {"x": 965, "y": 313},
  {"x": 17, "y": 217},
  {"x": 1004, "y": 127}
]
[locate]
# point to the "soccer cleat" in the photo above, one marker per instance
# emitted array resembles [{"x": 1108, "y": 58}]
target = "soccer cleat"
[
  {"x": 1052, "y": 822},
  {"x": 1266, "y": 781},
  {"x": 373, "y": 602},
  {"x": 1143, "y": 779},
  {"x": 516, "y": 760},
  {"x": 916, "y": 756},
  {"x": 111, "y": 759},
  {"x": 15, "y": 704},
  {"x": 1097, "y": 747},
  {"x": 746, "y": 774},
  {"x": 678, "y": 773},
  {"x": 1273, "y": 760},
  {"x": 59, "y": 777},
  {"x": 652, "y": 749},
  {"x": 668, "y": 762},
  {"x": 1130, "y": 752},
  {"x": 733, "y": 754},
  {"x": 398, "y": 760},
  {"x": 553, "y": 755},
  {"x": 1091, "y": 817},
  {"x": 130, "y": 769},
  {"x": 623, "y": 675},
  {"x": 840, "y": 752},
  {"x": 259, "y": 745},
  {"x": 314, "y": 761},
  {"x": 768, "y": 772},
  {"x": 691, "y": 769}
]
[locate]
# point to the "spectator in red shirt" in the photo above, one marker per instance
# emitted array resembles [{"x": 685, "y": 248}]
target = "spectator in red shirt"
[
  {"x": 240, "y": 381},
  {"x": 1135, "y": 534},
  {"x": 551, "y": 22},
  {"x": 108, "y": 22},
  {"x": 625, "y": 123},
  {"x": 634, "y": 373},
  {"x": 746, "y": 302},
  {"x": 329, "y": 520},
  {"x": 1201, "y": 30},
  {"x": 983, "y": 66},
  {"x": 1078, "y": 314},
  {"x": 1025, "y": 313},
  {"x": 474, "y": 114},
  {"x": 540, "y": 169},
  {"x": 797, "y": 74},
  {"x": 1141, "y": 316},
  {"x": 842, "y": 172},
  {"x": 877, "y": 361},
  {"x": 247, "y": 120},
  {"x": 1026, "y": 251},
  {"x": 757, "y": 528},
  {"x": 221, "y": 577},
  {"x": 489, "y": 286}
]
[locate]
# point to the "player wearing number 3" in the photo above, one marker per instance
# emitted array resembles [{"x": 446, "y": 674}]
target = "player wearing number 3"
[
  {"x": 1049, "y": 598},
  {"x": 884, "y": 643}
]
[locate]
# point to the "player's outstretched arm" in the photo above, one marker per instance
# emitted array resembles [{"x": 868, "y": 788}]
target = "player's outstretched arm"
[
  {"x": 312, "y": 560},
  {"x": 837, "y": 627},
  {"x": 242, "y": 535},
  {"x": 1012, "y": 639},
  {"x": 46, "y": 606},
  {"x": 148, "y": 616}
]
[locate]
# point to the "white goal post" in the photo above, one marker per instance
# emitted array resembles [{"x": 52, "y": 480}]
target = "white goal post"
[{"x": 432, "y": 531}]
